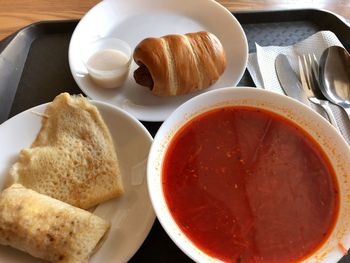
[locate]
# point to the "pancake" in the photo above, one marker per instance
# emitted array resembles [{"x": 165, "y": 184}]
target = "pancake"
[
  {"x": 48, "y": 228},
  {"x": 73, "y": 158}
]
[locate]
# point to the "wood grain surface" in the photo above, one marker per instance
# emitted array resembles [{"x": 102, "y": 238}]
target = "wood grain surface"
[{"x": 15, "y": 14}]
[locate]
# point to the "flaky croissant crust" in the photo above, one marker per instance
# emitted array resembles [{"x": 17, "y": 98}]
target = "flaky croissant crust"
[{"x": 180, "y": 64}]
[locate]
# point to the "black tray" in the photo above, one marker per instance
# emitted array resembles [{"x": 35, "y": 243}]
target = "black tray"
[{"x": 34, "y": 69}]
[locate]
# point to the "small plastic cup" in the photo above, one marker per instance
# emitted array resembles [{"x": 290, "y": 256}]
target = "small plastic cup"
[{"x": 107, "y": 61}]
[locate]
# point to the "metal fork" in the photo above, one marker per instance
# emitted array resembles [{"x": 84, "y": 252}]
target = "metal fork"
[{"x": 308, "y": 69}]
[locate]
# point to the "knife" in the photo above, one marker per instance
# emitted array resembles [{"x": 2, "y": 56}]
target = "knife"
[{"x": 289, "y": 81}]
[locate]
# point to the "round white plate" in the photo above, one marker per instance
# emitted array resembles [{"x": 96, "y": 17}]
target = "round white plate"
[
  {"x": 134, "y": 20},
  {"x": 131, "y": 215}
]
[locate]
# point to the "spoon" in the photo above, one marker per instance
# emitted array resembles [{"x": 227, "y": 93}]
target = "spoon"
[{"x": 334, "y": 75}]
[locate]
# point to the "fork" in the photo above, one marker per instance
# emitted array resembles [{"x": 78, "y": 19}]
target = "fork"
[{"x": 308, "y": 69}]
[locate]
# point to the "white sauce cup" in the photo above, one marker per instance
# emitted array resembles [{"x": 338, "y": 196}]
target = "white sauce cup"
[{"x": 107, "y": 61}]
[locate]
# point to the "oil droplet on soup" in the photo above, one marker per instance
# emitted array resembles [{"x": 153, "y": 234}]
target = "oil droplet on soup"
[{"x": 247, "y": 185}]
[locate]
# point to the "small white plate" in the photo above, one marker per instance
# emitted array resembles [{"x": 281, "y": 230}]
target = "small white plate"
[
  {"x": 134, "y": 20},
  {"x": 131, "y": 215}
]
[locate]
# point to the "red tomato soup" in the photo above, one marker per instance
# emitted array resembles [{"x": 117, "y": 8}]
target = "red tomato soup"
[{"x": 247, "y": 185}]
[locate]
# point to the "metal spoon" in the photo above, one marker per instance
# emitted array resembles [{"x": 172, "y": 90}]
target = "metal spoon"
[{"x": 334, "y": 74}]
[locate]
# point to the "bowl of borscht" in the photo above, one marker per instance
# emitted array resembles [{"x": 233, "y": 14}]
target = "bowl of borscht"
[{"x": 248, "y": 175}]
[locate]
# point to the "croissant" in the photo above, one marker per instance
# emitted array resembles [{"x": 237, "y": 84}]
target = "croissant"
[{"x": 179, "y": 64}]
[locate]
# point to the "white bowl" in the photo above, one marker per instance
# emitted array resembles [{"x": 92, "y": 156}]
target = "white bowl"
[{"x": 330, "y": 141}]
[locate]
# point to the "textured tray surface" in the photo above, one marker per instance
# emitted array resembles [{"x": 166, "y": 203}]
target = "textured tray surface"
[{"x": 46, "y": 73}]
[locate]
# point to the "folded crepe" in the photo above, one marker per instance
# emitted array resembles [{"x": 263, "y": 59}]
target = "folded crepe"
[
  {"x": 73, "y": 157},
  {"x": 48, "y": 228}
]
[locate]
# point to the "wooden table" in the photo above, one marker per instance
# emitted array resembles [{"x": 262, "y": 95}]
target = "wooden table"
[{"x": 15, "y": 14}]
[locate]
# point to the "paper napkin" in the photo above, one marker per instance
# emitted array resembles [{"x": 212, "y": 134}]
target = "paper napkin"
[{"x": 261, "y": 66}]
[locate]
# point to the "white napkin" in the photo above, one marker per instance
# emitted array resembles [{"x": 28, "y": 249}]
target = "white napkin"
[{"x": 261, "y": 66}]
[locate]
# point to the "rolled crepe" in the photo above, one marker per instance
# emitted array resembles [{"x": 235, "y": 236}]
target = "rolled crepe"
[{"x": 48, "y": 228}]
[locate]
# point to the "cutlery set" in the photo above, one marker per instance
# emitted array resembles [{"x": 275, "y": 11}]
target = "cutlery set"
[{"x": 320, "y": 85}]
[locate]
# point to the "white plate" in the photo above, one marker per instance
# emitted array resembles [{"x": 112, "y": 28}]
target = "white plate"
[
  {"x": 131, "y": 215},
  {"x": 134, "y": 20}
]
